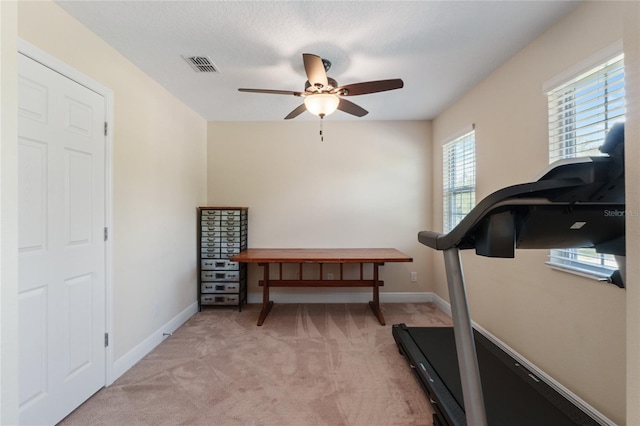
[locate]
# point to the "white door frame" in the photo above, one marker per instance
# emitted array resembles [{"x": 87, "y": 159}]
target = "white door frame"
[{"x": 55, "y": 64}]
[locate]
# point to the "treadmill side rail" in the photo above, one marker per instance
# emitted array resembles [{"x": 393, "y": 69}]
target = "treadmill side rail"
[{"x": 447, "y": 410}]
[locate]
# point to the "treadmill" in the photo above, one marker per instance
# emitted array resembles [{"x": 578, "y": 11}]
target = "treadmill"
[{"x": 468, "y": 379}]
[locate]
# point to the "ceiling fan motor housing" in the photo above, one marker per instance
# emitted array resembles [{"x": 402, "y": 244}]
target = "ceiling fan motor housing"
[{"x": 331, "y": 81}]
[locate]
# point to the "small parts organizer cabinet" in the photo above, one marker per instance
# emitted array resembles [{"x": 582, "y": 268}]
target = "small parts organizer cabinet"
[{"x": 222, "y": 233}]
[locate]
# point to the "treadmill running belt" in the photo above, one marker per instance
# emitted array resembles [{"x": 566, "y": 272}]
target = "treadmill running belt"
[{"x": 513, "y": 395}]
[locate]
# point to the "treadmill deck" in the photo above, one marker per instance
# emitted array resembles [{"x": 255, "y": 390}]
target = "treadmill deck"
[{"x": 513, "y": 395}]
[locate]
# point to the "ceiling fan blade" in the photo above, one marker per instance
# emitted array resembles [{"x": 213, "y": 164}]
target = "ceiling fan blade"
[
  {"x": 351, "y": 108},
  {"x": 272, "y": 92},
  {"x": 314, "y": 68},
  {"x": 296, "y": 112},
  {"x": 370, "y": 87}
]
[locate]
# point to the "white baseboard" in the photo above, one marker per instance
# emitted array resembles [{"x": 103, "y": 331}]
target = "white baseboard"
[
  {"x": 341, "y": 297},
  {"x": 441, "y": 304},
  {"x": 128, "y": 360},
  {"x": 445, "y": 307}
]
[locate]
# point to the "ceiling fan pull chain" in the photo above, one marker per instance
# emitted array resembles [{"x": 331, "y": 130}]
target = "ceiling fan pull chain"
[{"x": 321, "y": 135}]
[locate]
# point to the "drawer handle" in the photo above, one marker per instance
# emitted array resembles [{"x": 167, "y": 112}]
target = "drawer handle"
[
  {"x": 208, "y": 287},
  {"x": 220, "y": 264},
  {"x": 219, "y": 287},
  {"x": 219, "y": 299}
]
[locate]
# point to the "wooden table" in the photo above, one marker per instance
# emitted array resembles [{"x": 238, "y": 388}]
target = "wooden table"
[{"x": 267, "y": 256}]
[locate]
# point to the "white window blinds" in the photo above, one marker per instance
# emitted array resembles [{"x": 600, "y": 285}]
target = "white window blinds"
[
  {"x": 581, "y": 112},
  {"x": 459, "y": 179},
  {"x": 584, "y": 109}
]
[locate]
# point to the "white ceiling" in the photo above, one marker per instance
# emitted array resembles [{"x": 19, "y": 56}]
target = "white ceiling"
[{"x": 441, "y": 49}]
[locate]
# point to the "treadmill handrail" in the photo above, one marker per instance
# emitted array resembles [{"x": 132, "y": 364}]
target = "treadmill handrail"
[
  {"x": 564, "y": 162},
  {"x": 440, "y": 241}
]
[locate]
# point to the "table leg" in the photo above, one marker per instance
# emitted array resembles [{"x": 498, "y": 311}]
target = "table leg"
[
  {"x": 375, "y": 304},
  {"x": 266, "y": 303}
]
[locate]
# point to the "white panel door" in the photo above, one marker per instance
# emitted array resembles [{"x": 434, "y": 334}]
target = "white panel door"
[{"x": 61, "y": 208}]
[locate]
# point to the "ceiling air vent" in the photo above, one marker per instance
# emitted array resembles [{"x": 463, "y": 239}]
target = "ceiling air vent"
[{"x": 201, "y": 63}]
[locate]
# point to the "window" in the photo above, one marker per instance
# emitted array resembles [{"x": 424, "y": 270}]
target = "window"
[
  {"x": 459, "y": 179},
  {"x": 581, "y": 112}
]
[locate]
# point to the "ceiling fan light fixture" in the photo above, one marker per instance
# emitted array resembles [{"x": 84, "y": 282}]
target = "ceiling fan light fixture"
[{"x": 321, "y": 104}]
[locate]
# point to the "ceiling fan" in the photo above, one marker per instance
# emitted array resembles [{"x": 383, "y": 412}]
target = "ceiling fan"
[{"x": 322, "y": 95}]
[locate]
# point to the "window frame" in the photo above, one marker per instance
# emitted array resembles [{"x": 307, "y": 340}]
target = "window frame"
[
  {"x": 577, "y": 261},
  {"x": 458, "y": 177}
]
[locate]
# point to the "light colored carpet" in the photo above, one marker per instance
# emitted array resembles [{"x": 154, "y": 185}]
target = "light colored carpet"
[{"x": 309, "y": 364}]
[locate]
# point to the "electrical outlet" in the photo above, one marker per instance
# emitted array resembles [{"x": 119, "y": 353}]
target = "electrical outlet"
[
  {"x": 330, "y": 275},
  {"x": 414, "y": 277}
]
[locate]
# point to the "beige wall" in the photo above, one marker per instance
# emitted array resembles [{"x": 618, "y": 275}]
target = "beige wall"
[
  {"x": 366, "y": 185},
  {"x": 159, "y": 169},
  {"x": 573, "y": 328}
]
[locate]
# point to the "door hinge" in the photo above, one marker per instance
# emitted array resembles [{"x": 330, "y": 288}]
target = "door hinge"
[
  {"x": 106, "y": 233},
  {"x": 106, "y": 339},
  {"x": 105, "y": 128}
]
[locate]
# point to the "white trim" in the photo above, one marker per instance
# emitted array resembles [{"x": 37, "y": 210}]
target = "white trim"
[
  {"x": 442, "y": 304},
  {"x": 445, "y": 307},
  {"x": 340, "y": 297},
  {"x": 58, "y": 66},
  {"x": 581, "y": 67},
  {"x": 579, "y": 271},
  {"x": 461, "y": 132},
  {"x": 128, "y": 360}
]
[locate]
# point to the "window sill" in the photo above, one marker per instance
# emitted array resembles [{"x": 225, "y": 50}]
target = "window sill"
[{"x": 586, "y": 273}]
